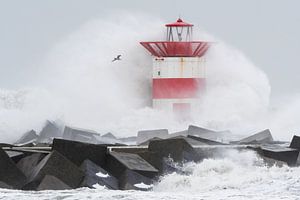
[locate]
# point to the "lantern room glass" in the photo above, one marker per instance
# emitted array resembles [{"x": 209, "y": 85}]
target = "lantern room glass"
[{"x": 179, "y": 33}]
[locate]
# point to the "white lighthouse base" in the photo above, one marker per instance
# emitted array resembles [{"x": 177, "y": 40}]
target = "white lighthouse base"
[{"x": 180, "y": 106}]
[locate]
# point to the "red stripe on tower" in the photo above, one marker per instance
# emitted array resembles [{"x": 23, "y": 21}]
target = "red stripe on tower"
[{"x": 174, "y": 88}]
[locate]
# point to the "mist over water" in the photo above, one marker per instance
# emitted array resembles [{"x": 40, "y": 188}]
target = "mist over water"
[{"x": 79, "y": 85}]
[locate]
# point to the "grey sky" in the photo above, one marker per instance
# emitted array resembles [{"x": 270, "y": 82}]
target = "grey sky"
[{"x": 267, "y": 31}]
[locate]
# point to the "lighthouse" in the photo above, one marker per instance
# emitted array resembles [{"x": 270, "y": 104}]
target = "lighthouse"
[{"x": 178, "y": 78}]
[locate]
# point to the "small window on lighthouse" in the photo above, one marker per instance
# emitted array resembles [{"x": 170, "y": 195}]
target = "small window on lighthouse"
[{"x": 158, "y": 73}]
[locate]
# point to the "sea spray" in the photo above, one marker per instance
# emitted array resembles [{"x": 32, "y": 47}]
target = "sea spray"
[{"x": 79, "y": 84}]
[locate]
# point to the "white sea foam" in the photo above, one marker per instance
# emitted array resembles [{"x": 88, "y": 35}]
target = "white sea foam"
[
  {"x": 102, "y": 175},
  {"x": 143, "y": 185}
]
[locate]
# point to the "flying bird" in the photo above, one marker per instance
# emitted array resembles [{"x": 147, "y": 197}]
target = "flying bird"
[{"x": 116, "y": 58}]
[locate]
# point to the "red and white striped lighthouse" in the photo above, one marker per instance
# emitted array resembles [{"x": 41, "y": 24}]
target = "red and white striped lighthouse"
[{"x": 178, "y": 68}]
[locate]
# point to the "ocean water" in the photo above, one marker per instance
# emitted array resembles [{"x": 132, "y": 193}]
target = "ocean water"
[
  {"x": 78, "y": 85},
  {"x": 241, "y": 175}
]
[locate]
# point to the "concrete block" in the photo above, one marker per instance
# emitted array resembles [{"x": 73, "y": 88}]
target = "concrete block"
[
  {"x": 27, "y": 137},
  {"x": 51, "y": 130},
  {"x": 205, "y": 141},
  {"x": 131, "y": 180},
  {"x": 94, "y": 174},
  {"x": 80, "y": 135},
  {"x": 52, "y": 183},
  {"x": 219, "y": 136},
  {"x": 176, "y": 148},
  {"x": 295, "y": 142},
  {"x": 5, "y": 186},
  {"x": 28, "y": 163},
  {"x": 109, "y": 135},
  {"x": 258, "y": 138},
  {"x": 145, "y": 135},
  {"x": 129, "y": 140},
  {"x": 191, "y": 141},
  {"x": 9, "y": 173},
  {"x": 6, "y": 145},
  {"x": 196, "y": 130},
  {"x": 118, "y": 162},
  {"x": 287, "y": 155},
  {"x": 127, "y": 149},
  {"x": 205, "y": 133},
  {"x": 107, "y": 140},
  {"x": 77, "y": 152},
  {"x": 152, "y": 158},
  {"x": 15, "y": 155},
  {"x": 146, "y": 143},
  {"x": 179, "y": 133},
  {"x": 56, "y": 165}
]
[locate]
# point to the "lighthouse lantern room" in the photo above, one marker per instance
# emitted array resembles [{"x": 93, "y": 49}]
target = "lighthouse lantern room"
[{"x": 178, "y": 68}]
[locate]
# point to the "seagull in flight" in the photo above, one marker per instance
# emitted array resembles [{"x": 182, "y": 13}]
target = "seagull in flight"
[{"x": 116, "y": 58}]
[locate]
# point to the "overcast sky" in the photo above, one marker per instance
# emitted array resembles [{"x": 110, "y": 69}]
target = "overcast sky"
[{"x": 267, "y": 31}]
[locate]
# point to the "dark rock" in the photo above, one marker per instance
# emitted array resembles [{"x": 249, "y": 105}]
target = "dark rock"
[
  {"x": 27, "y": 164},
  {"x": 94, "y": 174},
  {"x": 15, "y": 156},
  {"x": 56, "y": 165},
  {"x": 287, "y": 155},
  {"x": 145, "y": 135},
  {"x": 52, "y": 183},
  {"x": 127, "y": 149},
  {"x": 176, "y": 148},
  {"x": 42, "y": 145},
  {"x": 51, "y": 130},
  {"x": 80, "y": 135},
  {"x": 258, "y": 138},
  {"x": 153, "y": 158},
  {"x": 162, "y": 164},
  {"x": 77, "y": 152},
  {"x": 28, "y": 137},
  {"x": 272, "y": 162},
  {"x": 118, "y": 162},
  {"x": 191, "y": 141},
  {"x": 295, "y": 142},
  {"x": 146, "y": 143},
  {"x": 6, "y": 186},
  {"x": 205, "y": 141},
  {"x": 131, "y": 180},
  {"x": 9, "y": 173},
  {"x": 5, "y": 145}
]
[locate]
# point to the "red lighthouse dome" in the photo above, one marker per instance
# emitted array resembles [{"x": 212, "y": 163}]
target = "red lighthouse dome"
[{"x": 178, "y": 43}]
